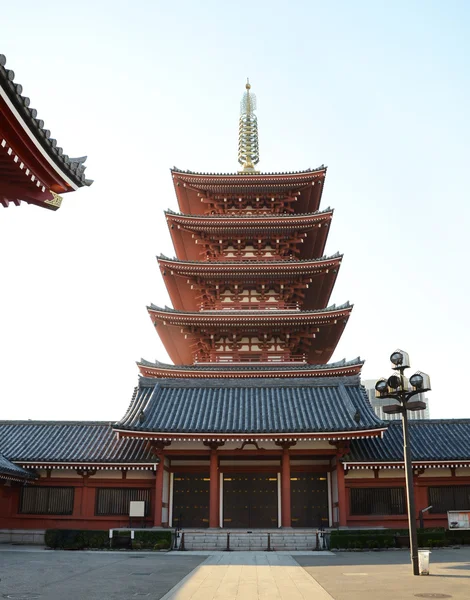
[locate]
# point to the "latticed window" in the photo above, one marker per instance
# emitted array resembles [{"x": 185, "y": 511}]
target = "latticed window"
[
  {"x": 449, "y": 497},
  {"x": 115, "y": 501},
  {"x": 47, "y": 500},
  {"x": 378, "y": 501}
]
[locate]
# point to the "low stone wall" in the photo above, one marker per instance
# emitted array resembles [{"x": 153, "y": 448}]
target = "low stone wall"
[{"x": 22, "y": 536}]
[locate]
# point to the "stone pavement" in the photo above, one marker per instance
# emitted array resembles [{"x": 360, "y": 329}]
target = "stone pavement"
[
  {"x": 249, "y": 576},
  {"x": 35, "y": 574}
]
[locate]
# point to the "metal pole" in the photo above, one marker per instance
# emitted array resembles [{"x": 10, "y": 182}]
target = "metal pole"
[{"x": 410, "y": 491}]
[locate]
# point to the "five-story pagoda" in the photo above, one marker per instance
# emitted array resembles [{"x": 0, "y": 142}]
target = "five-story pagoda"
[{"x": 251, "y": 420}]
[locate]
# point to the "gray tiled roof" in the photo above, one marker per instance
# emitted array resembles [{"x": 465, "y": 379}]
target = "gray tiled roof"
[
  {"x": 9, "y": 470},
  {"x": 68, "y": 442},
  {"x": 432, "y": 439},
  {"x": 307, "y": 405},
  {"x": 73, "y": 167}
]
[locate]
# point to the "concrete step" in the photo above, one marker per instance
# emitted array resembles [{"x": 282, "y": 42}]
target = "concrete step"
[{"x": 250, "y": 541}]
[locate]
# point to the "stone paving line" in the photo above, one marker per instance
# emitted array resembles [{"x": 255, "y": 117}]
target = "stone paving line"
[{"x": 248, "y": 576}]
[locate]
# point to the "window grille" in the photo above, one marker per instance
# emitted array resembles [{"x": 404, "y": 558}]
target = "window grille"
[
  {"x": 449, "y": 497},
  {"x": 47, "y": 500},
  {"x": 115, "y": 501},
  {"x": 378, "y": 501}
]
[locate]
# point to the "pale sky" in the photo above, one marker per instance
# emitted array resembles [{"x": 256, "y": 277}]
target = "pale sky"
[{"x": 378, "y": 91}]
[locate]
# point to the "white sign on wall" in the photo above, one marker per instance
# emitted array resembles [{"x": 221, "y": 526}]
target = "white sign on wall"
[{"x": 137, "y": 508}]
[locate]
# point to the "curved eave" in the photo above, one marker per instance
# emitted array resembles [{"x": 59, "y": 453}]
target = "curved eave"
[
  {"x": 195, "y": 190},
  {"x": 99, "y": 466},
  {"x": 195, "y": 268},
  {"x": 422, "y": 464},
  {"x": 248, "y": 222},
  {"x": 161, "y": 371},
  {"x": 252, "y": 436},
  {"x": 294, "y": 175},
  {"x": 185, "y": 280},
  {"x": 247, "y": 317},
  {"x": 181, "y": 332},
  {"x": 185, "y": 233},
  {"x": 32, "y": 142}
]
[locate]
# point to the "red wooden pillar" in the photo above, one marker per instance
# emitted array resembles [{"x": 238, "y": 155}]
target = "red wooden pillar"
[
  {"x": 286, "y": 520},
  {"x": 214, "y": 489},
  {"x": 157, "y": 518},
  {"x": 342, "y": 496}
]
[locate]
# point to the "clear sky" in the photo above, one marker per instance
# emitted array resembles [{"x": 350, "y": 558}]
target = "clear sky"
[{"x": 378, "y": 91}]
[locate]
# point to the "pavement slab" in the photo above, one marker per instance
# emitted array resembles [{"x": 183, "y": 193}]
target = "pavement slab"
[{"x": 388, "y": 575}]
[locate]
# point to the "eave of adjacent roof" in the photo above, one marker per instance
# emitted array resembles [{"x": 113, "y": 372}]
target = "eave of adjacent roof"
[
  {"x": 12, "y": 472},
  {"x": 434, "y": 442},
  {"x": 70, "y": 444},
  {"x": 72, "y": 170}
]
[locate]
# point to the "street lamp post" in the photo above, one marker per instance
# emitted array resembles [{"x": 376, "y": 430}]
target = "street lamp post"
[{"x": 398, "y": 387}]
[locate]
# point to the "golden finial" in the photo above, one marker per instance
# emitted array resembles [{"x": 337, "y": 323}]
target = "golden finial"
[{"x": 248, "y": 148}]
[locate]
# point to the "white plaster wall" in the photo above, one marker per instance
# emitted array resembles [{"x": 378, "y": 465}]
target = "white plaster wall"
[
  {"x": 253, "y": 463},
  {"x": 107, "y": 475},
  {"x": 179, "y": 463},
  {"x": 436, "y": 473},
  {"x": 140, "y": 475},
  {"x": 293, "y": 461},
  {"x": 360, "y": 474},
  {"x": 166, "y": 488},
  {"x": 391, "y": 473},
  {"x": 462, "y": 472},
  {"x": 66, "y": 474},
  {"x": 334, "y": 486}
]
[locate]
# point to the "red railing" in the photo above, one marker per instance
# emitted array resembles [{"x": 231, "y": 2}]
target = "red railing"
[
  {"x": 260, "y": 359},
  {"x": 262, "y": 305}
]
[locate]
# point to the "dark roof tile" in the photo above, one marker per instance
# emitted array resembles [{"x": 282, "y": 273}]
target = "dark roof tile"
[
  {"x": 431, "y": 439},
  {"x": 68, "y": 441},
  {"x": 310, "y": 405}
]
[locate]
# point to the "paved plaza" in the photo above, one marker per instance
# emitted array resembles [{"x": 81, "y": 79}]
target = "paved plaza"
[{"x": 35, "y": 574}]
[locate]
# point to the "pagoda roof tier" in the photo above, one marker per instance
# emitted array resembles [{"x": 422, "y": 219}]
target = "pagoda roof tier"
[
  {"x": 236, "y": 371},
  {"x": 267, "y": 409},
  {"x": 186, "y": 281},
  {"x": 199, "y": 192},
  {"x": 33, "y": 168},
  {"x": 70, "y": 444},
  {"x": 434, "y": 442},
  {"x": 194, "y": 236},
  {"x": 316, "y": 332}
]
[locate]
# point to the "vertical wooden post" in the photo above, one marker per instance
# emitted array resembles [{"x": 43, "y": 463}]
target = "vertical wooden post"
[
  {"x": 342, "y": 496},
  {"x": 157, "y": 516},
  {"x": 214, "y": 489},
  {"x": 285, "y": 488}
]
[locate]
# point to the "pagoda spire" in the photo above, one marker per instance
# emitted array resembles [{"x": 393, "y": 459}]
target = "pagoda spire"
[{"x": 248, "y": 148}]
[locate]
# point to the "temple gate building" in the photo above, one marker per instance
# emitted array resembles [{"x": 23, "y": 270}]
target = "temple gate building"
[{"x": 252, "y": 426}]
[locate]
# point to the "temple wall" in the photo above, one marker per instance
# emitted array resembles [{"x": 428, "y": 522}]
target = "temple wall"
[
  {"x": 84, "y": 503},
  {"x": 394, "y": 478}
]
